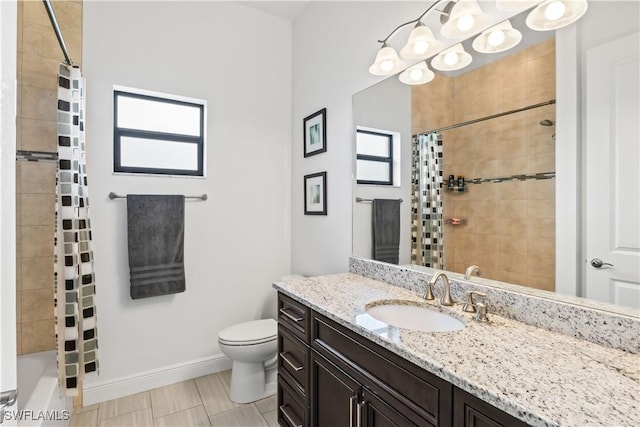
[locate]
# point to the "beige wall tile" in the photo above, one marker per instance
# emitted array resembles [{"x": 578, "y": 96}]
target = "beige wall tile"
[
  {"x": 513, "y": 263},
  {"x": 542, "y": 267},
  {"x": 37, "y": 177},
  {"x": 37, "y": 305},
  {"x": 516, "y": 245},
  {"x": 541, "y": 228},
  {"x": 487, "y": 226},
  {"x": 513, "y": 165},
  {"x": 39, "y": 72},
  {"x": 19, "y": 339},
  {"x": 541, "y": 189},
  {"x": 37, "y": 209},
  {"x": 512, "y": 208},
  {"x": 39, "y": 104},
  {"x": 514, "y": 226},
  {"x": 39, "y": 135},
  {"x": 40, "y": 40},
  {"x": 544, "y": 208},
  {"x": 512, "y": 190},
  {"x": 38, "y": 336},
  {"x": 36, "y": 241},
  {"x": 487, "y": 261},
  {"x": 541, "y": 247},
  {"x": 37, "y": 273},
  {"x": 541, "y": 163},
  {"x": 542, "y": 283}
]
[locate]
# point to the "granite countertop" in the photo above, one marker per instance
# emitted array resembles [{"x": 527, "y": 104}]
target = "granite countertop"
[{"x": 543, "y": 378}]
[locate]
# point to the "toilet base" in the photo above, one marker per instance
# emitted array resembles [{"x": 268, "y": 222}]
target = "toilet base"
[{"x": 251, "y": 382}]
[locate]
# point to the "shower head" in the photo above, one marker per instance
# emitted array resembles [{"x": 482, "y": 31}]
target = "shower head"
[{"x": 547, "y": 122}]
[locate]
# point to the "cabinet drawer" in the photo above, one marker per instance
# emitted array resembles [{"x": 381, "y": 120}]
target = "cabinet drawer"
[
  {"x": 294, "y": 316},
  {"x": 293, "y": 360},
  {"x": 385, "y": 373},
  {"x": 291, "y": 411}
]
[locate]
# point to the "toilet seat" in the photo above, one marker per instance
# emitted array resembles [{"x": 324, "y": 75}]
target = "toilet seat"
[{"x": 249, "y": 333}]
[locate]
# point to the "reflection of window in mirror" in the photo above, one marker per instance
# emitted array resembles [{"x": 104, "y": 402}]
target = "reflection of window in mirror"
[{"x": 377, "y": 156}]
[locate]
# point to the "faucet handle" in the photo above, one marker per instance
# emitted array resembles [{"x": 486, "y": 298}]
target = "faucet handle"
[
  {"x": 428, "y": 294},
  {"x": 470, "y": 306},
  {"x": 481, "y": 315}
]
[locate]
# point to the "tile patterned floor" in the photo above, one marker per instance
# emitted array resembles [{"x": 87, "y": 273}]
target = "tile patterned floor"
[{"x": 203, "y": 401}]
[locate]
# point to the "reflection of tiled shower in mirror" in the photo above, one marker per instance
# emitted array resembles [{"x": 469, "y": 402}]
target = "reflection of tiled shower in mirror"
[{"x": 497, "y": 137}]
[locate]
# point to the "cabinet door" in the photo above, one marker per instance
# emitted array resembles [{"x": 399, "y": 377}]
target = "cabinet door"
[
  {"x": 334, "y": 395},
  {"x": 377, "y": 413},
  {"x": 469, "y": 411}
]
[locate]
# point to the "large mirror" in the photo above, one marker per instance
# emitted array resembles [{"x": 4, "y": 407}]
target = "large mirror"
[{"x": 475, "y": 167}]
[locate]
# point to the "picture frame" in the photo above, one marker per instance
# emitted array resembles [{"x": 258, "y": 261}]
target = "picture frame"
[
  {"x": 315, "y": 194},
  {"x": 315, "y": 133}
]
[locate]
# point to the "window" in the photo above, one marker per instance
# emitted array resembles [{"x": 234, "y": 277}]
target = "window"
[
  {"x": 156, "y": 133},
  {"x": 374, "y": 157}
]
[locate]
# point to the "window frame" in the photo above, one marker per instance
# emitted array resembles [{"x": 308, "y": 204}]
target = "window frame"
[
  {"x": 119, "y": 132},
  {"x": 380, "y": 159}
]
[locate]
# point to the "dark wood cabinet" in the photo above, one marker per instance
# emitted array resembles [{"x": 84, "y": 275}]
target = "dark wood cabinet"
[
  {"x": 330, "y": 376},
  {"x": 469, "y": 411}
]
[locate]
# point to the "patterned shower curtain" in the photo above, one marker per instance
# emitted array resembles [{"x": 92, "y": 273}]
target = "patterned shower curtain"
[
  {"x": 75, "y": 309},
  {"x": 427, "y": 242}
]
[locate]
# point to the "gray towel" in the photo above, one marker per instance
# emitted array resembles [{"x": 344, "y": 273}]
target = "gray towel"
[
  {"x": 386, "y": 230},
  {"x": 155, "y": 232}
]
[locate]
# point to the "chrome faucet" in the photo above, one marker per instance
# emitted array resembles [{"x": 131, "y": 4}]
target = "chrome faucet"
[
  {"x": 446, "y": 295},
  {"x": 471, "y": 270}
]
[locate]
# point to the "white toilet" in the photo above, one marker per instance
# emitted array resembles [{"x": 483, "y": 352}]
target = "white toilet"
[{"x": 253, "y": 347}]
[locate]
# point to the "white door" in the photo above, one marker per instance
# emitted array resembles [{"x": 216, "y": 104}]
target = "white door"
[
  {"x": 612, "y": 172},
  {"x": 8, "y": 43}
]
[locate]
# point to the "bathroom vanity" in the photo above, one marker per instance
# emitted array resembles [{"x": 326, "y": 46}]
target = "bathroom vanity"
[{"x": 338, "y": 366}]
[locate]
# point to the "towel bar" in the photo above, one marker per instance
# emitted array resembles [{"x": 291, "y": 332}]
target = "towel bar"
[
  {"x": 361, "y": 200},
  {"x": 113, "y": 195}
]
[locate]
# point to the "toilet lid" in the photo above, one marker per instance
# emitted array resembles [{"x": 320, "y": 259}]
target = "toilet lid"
[{"x": 254, "y": 332}]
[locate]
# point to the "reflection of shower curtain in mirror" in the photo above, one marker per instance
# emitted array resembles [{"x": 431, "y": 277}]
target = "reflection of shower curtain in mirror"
[{"x": 427, "y": 245}]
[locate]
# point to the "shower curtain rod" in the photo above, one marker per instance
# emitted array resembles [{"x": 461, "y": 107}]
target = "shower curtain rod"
[
  {"x": 56, "y": 28},
  {"x": 482, "y": 119}
]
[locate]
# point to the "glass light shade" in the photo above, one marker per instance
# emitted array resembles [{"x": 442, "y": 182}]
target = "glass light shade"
[
  {"x": 515, "y": 4},
  {"x": 417, "y": 75},
  {"x": 465, "y": 18},
  {"x": 498, "y": 38},
  {"x": 387, "y": 62},
  {"x": 553, "y": 14},
  {"x": 444, "y": 61},
  {"x": 421, "y": 43}
]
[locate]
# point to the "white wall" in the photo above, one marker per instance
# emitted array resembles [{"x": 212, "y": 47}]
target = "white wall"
[
  {"x": 334, "y": 43},
  {"x": 238, "y": 241}
]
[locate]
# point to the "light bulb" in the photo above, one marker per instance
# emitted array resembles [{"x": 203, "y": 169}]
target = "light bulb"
[
  {"x": 416, "y": 74},
  {"x": 465, "y": 23},
  {"x": 554, "y": 10},
  {"x": 450, "y": 58},
  {"x": 386, "y": 65},
  {"x": 420, "y": 47},
  {"x": 496, "y": 38}
]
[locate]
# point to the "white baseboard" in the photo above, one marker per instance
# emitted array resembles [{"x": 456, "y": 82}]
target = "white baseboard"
[{"x": 147, "y": 380}]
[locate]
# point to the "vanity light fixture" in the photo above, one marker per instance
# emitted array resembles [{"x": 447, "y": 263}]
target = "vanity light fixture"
[
  {"x": 421, "y": 43},
  {"x": 516, "y": 4},
  {"x": 465, "y": 19},
  {"x": 387, "y": 62},
  {"x": 498, "y": 38},
  {"x": 454, "y": 58},
  {"x": 417, "y": 74},
  {"x": 553, "y": 14}
]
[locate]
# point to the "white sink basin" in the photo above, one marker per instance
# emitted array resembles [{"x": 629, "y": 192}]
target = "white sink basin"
[{"x": 411, "y": 316}]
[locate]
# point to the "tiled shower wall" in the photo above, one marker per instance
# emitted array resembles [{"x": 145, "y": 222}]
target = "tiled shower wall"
[
  {"x": 510, "y": 229},
  {"x": 38, "y": 57}
]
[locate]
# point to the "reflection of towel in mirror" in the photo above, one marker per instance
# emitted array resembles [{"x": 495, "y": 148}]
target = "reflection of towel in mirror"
[
  {"x": 155, "y": 233},
  {"x": 386, "y": 230}
]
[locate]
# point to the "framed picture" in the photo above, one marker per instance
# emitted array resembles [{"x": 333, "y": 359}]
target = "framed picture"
[
  {"x": 315, "y": 133},
  {"x": 315, "y": 194}
]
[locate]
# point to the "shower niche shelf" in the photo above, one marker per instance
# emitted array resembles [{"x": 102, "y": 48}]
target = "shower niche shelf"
[
  {"x": 456, "y": 189},
  {"x": 456, "y": 221}
]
